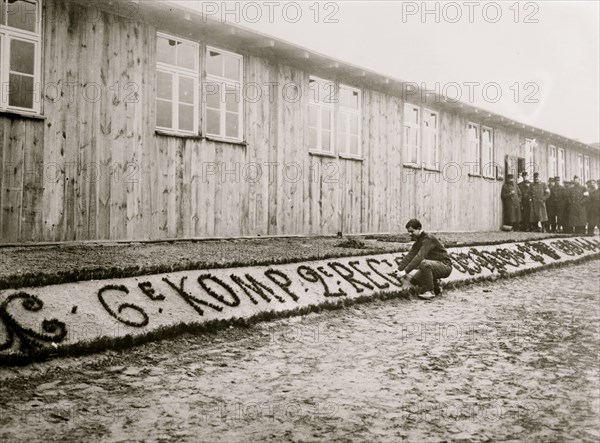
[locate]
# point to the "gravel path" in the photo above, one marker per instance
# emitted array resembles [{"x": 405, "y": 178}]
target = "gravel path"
[{"x": 514, "y": 360}]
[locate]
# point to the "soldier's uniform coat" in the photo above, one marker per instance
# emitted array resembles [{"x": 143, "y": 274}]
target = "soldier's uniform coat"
[
  {"x": 511, "y": 203},
  {"x": 560, "y": 203},
  {"x": 593, "y": 209},
  {"x": 576, "y": 206},
  {"x": 525, "y": 187},
  {"x": 538, "y": 193}
]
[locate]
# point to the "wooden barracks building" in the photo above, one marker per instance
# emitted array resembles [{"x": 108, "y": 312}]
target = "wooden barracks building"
[{"x": 144, "y": 120}]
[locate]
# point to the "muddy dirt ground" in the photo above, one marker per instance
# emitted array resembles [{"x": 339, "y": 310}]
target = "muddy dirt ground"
[{"x": 513, "y": 360}]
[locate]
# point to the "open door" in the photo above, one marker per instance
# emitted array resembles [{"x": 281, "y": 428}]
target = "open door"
[{"x": 514, "y": 165}]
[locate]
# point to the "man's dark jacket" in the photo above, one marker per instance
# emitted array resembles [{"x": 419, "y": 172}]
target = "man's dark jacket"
[{"x": 427, "y": 247}]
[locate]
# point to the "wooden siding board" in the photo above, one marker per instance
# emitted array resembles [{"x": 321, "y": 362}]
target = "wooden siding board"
[{"x": 153, "y": 186}]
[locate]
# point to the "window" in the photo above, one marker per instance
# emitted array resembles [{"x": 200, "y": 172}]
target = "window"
[
  {"x": 488, "y": 165},
  {"x": 224, "y": 104},
  {"x": 552, "y": 163},
  {"x": 562, "y": 165},
  {"x": 580, "y": 170},
  {"x": 431, "y": 139},
  {"x": 586, "y": 169},
  {"x": 349, "y": 119},
  {"x": 176, "y": 84},
  {"x": 320, "y": 115},
  {"x": 529, "y": 159},
  {"x": 474, "y": 146},
  {"x": 20, "y": 55},
  {"x": 412, "y": 139}
]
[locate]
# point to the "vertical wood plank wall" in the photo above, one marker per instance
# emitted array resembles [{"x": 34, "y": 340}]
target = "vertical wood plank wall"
[{"x": 95, "y": 169}]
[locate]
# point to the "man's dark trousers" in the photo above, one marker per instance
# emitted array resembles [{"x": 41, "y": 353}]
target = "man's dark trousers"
[{"x": 430, "y": 270}]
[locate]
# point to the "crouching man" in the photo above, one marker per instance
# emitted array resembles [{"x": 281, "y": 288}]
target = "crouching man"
[{"x": 428, "y": 257}]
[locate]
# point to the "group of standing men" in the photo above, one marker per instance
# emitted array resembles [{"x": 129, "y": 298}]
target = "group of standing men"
[{"x": 551, "y": 208}]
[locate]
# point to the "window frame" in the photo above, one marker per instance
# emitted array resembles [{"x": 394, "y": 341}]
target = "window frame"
[
  {"x": 320, "y": 105},
  {"x": 580, "y": 170},
  {"x": 477, "y": 149},
  {"x": 7, "y": 35},
  {"x": 412, "y": 126},
  {"x": 177, "y": 72},
  {"x": 350, "y": 112},
  {"x": 561, "y": 164},
  {"x": 223, "y": 81},
  {"x": 552, "y": 161},
  {"x": 586, "y": 168},
  {"x": 425, "y": 149},
  {"x": 529, "y": 149},
  {"x": 491, "y": 152}
]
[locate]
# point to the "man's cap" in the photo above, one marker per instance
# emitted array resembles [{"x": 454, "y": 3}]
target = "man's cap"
[
  {"x": 536, "y": 174},
  {"x": 510, "y": 176},
  {"x": 524, "y": 173},
  {"x": 557, "y": 178}
]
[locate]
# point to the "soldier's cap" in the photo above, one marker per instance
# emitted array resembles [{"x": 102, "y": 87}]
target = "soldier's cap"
[
  {"x": 557, "y": 178},
  {"x": 551, "y": 179}
]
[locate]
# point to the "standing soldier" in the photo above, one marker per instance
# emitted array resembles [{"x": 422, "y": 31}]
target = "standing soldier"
[
  {"x": 551, "y": 206},
  {"x": 511, "y": 202},
  {"x": 593, "y": 207},
  {"x": 576, "y": 201},
  {"x": 539, "y": 192},
  {"x": 559, "y": 204},
  {"x": 525, "y": 201}
]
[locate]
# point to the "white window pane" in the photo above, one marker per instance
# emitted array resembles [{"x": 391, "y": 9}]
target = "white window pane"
[
  {"x": 348, "y": 98},
  {"x": 165, "y": 50},
  {"x": 20, "y": 91},
  {"x": 313, "y": 116},
  {"x": 164, "y": 114},
  {"x": 164, "y": 85},
  {"x": 214, "y": 63},
  {"x": 326, "y": 119},
  {"x": 186, "y": 117},
  {"x": 186, "y": 55},
  {"x": 232, "y": 67},
  {"x": 232, "y": 124},
  {"x": 312, "y": 138},
  {"x": 313, "y": 87},
  {"x": 22, "y": 56},
  {"x": 213, "y": 95},
  {"x": 213, "y": 122},
  {"x": 326, "y": 140},
  {"x": 341, "y": 142},
  {"x": 354, "y": 124},
  {"x": 327, "y": 93},
  {"x": 232, "y": 99},
  {"x": 354, "y": 100},
  {"x": 2, "y": 12},
  {"x": 353, "y": 145},
  {"x": 22, "y": 15},
  {"x": 342, "y": 122},
  {"x": 433, "y": 121},
  {"x": 186, "y": 90}
]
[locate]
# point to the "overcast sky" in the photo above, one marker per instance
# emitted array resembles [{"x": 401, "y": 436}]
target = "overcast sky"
[{"x": 542, "y": 57}]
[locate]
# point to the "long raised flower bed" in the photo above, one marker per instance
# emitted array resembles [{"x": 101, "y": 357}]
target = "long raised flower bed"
[{"x": 88, "y": 316}]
